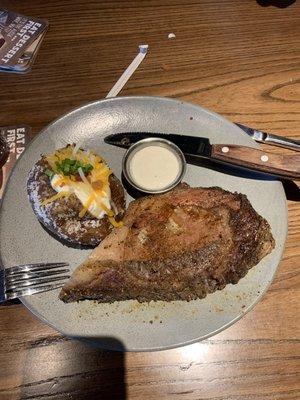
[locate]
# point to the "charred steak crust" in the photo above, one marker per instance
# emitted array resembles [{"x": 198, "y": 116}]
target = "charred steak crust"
[
  {"x": 61, "y": 217},
  {"x": 234, "y": 238}
]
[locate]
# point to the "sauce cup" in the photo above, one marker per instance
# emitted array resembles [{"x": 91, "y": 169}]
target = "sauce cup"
[{"x": 154, "y": 165}]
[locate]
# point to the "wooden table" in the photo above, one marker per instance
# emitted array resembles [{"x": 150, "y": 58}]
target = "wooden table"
[{"x": 235, "y": 57}]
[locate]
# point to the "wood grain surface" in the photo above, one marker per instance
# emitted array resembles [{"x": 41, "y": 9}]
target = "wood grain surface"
[{"x": 234, "y": 57}]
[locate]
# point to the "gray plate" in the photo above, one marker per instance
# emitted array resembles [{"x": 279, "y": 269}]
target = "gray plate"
[{"x": 139, "y": 327}]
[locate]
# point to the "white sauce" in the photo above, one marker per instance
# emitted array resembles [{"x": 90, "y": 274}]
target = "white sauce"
[
  {"x": 83, "y": 193},
  {"x": 154, "y": 167}
]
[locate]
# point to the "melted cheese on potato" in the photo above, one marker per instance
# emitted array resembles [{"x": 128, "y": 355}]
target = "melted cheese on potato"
[
  {"x": 96, "y": 202},
  {"x": 93, "y": 190}
]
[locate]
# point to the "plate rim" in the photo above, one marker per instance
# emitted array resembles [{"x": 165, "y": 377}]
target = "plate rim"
[{"x": 97, "y": 342}]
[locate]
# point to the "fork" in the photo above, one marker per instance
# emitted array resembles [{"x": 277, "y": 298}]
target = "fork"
[{"x": 24, "y": 280}]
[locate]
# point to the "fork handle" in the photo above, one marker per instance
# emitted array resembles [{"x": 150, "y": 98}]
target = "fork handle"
[
  {"x": 282, "y": 142},
  {"x": 286, "y": 166}
]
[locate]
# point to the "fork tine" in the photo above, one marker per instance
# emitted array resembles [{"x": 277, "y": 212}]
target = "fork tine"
[
  {"x": 33, "y": 267},
  {"x": 33, "y": 290},
  {"x": 36, "y": 274},
  {"x": 32, "y": 282}
]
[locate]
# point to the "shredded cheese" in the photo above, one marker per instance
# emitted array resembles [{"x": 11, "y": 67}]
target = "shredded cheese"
[
  {"x": 62, "y": 180},
  {"x": 86, "y": 206},
  {"x": 55, "y": 197},
  {"x": 109, "y": 212},
  {"x": 100, "y": 173},
  {"x": 115, "y": 223}
]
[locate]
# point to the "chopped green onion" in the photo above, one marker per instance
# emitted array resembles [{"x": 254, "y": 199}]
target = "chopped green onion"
[
  {"x": 70, "y": 167},
  {"x": 49, "y": 173}
]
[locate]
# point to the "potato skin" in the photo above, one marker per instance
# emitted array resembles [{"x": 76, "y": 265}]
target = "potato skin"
[{"x": 61, "y": 217}]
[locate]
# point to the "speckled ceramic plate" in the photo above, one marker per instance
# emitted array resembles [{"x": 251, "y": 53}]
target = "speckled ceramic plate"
[{"x": 138, "y": 327}]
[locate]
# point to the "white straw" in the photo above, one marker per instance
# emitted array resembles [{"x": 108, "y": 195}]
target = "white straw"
[{"x": 115, "y": 90}]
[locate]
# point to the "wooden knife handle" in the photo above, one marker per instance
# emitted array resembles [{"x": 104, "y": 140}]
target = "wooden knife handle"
[{"x": 287, "y": 166}]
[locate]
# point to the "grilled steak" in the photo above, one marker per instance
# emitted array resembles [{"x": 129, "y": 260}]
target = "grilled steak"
[
  {"x": 180, "y": 245},
  {"x": 62, "y": 216}
]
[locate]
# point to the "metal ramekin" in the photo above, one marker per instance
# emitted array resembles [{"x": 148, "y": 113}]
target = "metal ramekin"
[{"x": 144, "y": 143}]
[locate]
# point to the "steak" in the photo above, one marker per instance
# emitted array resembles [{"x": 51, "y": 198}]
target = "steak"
[{"x": 180, "y": 245}]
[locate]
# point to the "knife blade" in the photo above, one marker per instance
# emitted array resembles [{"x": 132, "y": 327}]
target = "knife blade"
[
  {"x": 195, "y": 147},
  {"x": 269, "y": 138}
]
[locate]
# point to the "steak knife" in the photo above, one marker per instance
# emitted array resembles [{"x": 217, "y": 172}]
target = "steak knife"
[
  {"x": 269, "y": 138},
  {"x": 194, "y": 148}
]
